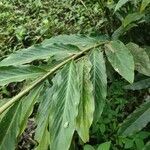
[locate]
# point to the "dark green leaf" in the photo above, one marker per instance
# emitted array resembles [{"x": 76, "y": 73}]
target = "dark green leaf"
[
  {"x": 132, "y": 18},
  {"x": 88, "y": 147},
  {"x": 137, "y": 120},
  {"x": 80, "y": 41},
  {"x": 120, "y": 4},
  {"x": 9, "y": 127},
  {"x": 147, "y": 146}
]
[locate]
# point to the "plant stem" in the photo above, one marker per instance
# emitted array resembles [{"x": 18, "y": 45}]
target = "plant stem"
[{"x": 41, "y": 79}]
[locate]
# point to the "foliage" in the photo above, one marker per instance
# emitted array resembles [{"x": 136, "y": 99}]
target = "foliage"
[{"x": 65, "y": 78}]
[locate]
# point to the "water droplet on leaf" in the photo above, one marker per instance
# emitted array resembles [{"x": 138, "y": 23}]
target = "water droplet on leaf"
[{"x": 66, "y": 125}]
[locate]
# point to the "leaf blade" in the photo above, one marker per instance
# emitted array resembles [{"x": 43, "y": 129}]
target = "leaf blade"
[
  {"x": 121, "y": 59},
  {"x": 66, "y": 100},
  {"x": 86, "y": 105},
  {"x": 99, "y": 80},
  {"x": 130, "y": 18},
  {"x": 17, "y": 74},
  {"x": 136, "y": 121},
  {"x": 120, "y": 4},
  {"x": 60, "y": 46},
  {"x": 104, "y": 146},
  {"x": 28, "y": 105},
  {"x": 144, "y": 4},
  {"x": 139, "y": 85},
  {"x": 42, "y": 135},
  {"x": 9, "y": 127},
  {"x": 141, "y": 58}
]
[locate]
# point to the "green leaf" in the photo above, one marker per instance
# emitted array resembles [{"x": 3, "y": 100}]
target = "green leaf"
[
  {"x": 144, "y": 4},
  {"x": 139, "y": 143},
  {"x": 39, "y": 52},
  {"x": 121, "y": 59},
  {"x": 118, "y": 32},
  {"x": 27, "y": 106},
  {"x": 132, "y": 18},
  {"x": 64, "y": 107},
  {"x": 104, "y": 146},
  {"x": 129, "y": 143},
  {"x": 147, "y": 146},
  {"x": 16, "y": 74},
  {"x": 147, "y": 49},
  {"x": 141, "y": 59},
  {"x": 88, "y": 147},
  {"x": 9, "y": 127},
  {"x": 80, "y": 41},
  {"x": 99, "y": 80},
  {"x": 120, "y": 4},
  {"x": 60, "y": 46},
  {"x": 86, "y": 105},
  {"x": 139, "y": 85},
  {"x": 42, "y": 136},
  {"x": 45, "y": 76},
  {"x": 136, "y": 121}
]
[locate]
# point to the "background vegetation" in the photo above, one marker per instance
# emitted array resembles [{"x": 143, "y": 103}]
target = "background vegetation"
[{"x": 27, "y": 22}]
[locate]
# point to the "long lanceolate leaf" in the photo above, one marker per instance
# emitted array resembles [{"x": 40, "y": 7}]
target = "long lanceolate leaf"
[
  {"x": 64, "y": 107},
  {"x": 136, "y": 121},
  {"x": 86, "y": 106},
  {"x": 144, "y": 4},
  {"x": 66, "y": 45},
  {"x": 121, "y": 59},
  {"x": 9, "y": 127},
  {"x": 142, "y": 84},
  {"x": 15, "y": 119},
  {"x": 28, "y": 105},
  {"x": 42, "y": 135},
  {"x": 99, "y": 80},
  {"x": 16, "y": 74},
  {"x": 81, "y": 41},
  {"x": 120, "y": 4}
]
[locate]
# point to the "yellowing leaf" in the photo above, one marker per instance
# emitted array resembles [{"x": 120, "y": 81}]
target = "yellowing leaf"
[
  {"x": 144, "y": 4},
  {"x": 86, "y": 105},
  {"x": 16, "y": 74}
]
